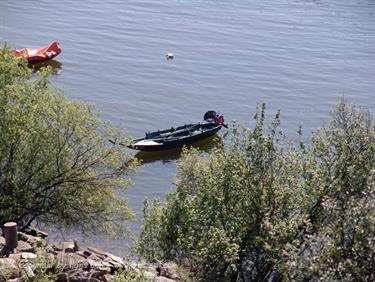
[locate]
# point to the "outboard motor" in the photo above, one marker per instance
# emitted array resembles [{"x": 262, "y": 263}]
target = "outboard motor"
[
  {"x": 219, "y": 120},
  {"x": 213, "y": 117}
]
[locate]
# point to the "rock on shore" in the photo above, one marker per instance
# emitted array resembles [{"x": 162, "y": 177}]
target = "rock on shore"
[{"x": 66, "y": 261}]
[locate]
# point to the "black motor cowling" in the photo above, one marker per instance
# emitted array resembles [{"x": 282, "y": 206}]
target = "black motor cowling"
[{"x": 214, "y": 117}]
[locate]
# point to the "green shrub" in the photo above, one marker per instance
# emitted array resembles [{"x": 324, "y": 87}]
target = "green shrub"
[
  {"x": 132, "y": 275},
  {"x": 56, "y": 164},
  {"x": 254, "y": 208},
  {"x": 340, "y": 235}
]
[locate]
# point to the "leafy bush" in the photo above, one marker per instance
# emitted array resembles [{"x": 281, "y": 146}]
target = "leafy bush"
[
  {"x": 257, "y": 208},
  {"x": 132, "y": 275},
  {"x": 56, "y": 164},
  {"x": 340, "y": 235}
]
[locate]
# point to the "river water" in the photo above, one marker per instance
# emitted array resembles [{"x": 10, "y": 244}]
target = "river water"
[{"x": 299, "y": 56}]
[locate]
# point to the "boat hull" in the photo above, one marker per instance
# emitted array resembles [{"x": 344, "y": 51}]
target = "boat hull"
[
  {"x": 34, "y": 56},
  {"x": 170, "y": 144}
]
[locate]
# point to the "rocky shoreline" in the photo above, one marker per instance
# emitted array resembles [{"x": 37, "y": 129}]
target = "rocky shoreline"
[{"x": 34, "y": 258}]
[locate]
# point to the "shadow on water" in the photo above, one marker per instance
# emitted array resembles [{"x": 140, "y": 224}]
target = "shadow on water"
[
  {"x": 167, "y": 156},
  {"x": 55, "y": 65}
]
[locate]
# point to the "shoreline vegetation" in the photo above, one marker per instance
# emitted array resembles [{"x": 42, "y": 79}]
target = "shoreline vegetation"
[
  {"x": 56, "y": 164},
  {"x": 263, "y": 208},
  {"x": 259, "y": 208}
]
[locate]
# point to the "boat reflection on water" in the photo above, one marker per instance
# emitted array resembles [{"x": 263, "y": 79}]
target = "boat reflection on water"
[
  {"x": 55, "y": 65},
  {"x": 167, "y": 156}
]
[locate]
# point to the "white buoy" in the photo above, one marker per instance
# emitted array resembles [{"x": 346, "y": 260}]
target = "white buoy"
[{"x": 169, "y": 56}]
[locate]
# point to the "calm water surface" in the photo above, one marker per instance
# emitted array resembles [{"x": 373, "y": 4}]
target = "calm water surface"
[{"x": 297, "y": 55}]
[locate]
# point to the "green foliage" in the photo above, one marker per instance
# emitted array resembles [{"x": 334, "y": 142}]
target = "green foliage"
[
  {"x": 7, "y": 273},
  {"x": 56, "y": 164},
  {"x": 224, "y": 206},
  {"x": 263, "y": 208},
  {"x": 339, "y": 244},
  {"x": 46, "y": 266},
  {"x": 132, "y": 275}
]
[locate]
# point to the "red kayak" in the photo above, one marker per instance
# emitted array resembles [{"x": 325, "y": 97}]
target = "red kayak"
[{"x": 39, "y": 55}]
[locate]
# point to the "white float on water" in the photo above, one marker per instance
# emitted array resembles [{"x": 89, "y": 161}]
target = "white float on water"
[{"x": 169, "y": 56}]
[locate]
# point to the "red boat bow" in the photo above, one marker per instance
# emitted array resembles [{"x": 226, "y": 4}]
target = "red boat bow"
[{"x": 39, "y": 55}]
